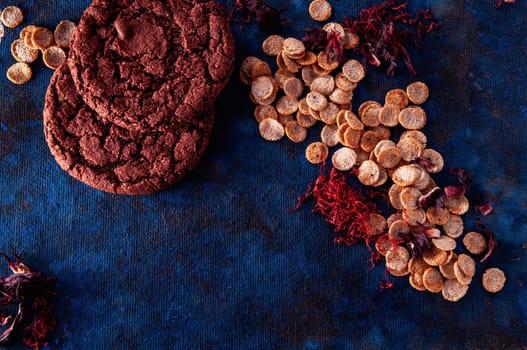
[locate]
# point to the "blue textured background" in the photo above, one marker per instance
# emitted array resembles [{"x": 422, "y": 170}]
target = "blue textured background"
[{"x": 217, "y": 263}]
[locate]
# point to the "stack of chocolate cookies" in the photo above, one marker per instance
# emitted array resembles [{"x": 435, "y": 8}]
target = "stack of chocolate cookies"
[{"x": 131, "y": 110}]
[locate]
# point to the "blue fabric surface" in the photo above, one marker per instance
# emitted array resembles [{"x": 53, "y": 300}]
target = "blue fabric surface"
[{"x": 218, "y": 263}]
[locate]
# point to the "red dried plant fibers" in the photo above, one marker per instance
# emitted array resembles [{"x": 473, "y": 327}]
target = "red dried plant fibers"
[
  {"x": 33, "y": 293},
  {"x": 346, "y": 208}
]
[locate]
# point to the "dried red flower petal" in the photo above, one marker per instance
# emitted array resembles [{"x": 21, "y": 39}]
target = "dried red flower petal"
[
  {"x": 455, "y": 191},
  {"x": 33, "y": 293},
  {"x": 385, "y": 31},
  {"x": 267, "y": 16},
  {"x": 334, "y": 48},
  {"x": 315, "y": 39},
  {"x": 435, "y": 197},
  {"x": 484, "y": 208},
  {"x": 491, "y": 239},
  {"x": 416, "y": 243},
  {"x": 463, "y": 176},
  {"x": 499, "y": 3}
]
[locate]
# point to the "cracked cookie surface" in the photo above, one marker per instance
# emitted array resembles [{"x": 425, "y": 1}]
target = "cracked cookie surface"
[
  {"x": 151, "y": 65},
  {"x": 113, "y": 159}
]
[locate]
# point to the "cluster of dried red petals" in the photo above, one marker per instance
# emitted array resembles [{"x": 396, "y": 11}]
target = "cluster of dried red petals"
[
  {"x": 385, "y": 31},
  {"x": 267, "y": 16},
  {"x": 33, "y": 293}
]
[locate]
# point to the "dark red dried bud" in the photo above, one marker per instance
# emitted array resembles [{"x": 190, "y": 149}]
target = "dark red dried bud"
[
  {"x": 491, "y": 239},
  {"x": 484, "y": 208},
  {"x": 463, "y": 176},
  {"x": 454, "y": 191},
  {"x": 416, "y": 243}
]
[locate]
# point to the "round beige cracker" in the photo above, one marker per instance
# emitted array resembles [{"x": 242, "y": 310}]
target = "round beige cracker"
[
  {"x": 454, "y": 227},
  {"x": 341, "y": 97},
  {"x": 272, "y": 45},
  {"x": 414, "y": 216},
  {"x": 437, "y": 215},
  {"x": 12, "y": 16},
  {"x": 376, "y": 224},
  {"x": 389, "y": 115},
  {"x": 271, "y": 129},
  {"x": 493, "y": 280},
  {"x": 432, "y": 280},
  {"x": 351, "y": 138},
  {"x": 457, "y": 205},
  {"x": 436, "y": 160},
  {"x": 368, "y": 141},
  {"x": 290, "y": 63},
  {"x": 334, "y": 27},
  {"x": 327, "y": 61},
  {"x": 389, "y": 157},
  {"x": 324, "y": 84},
  {"x": 286, "y": 105},
  {"x": 262, "y": 112},
  {"x": 308, "y": 75},
  {"x": 453, "y": 290},
  {"x": 295, "y": 132},
  {"x": 63, "y": 33},
  {"x": 320, "y": 10},
  {"x": 285, "y": 118},
  {"x": 466, "y": 264},
  {"x": 394, "y": 196},
  {"x": 353, "y": 70},
  {"x": 415, "y": 134},
  {"x": 54, "y": 57},
  {"x": 416, "y": 281},
  {"x": 261, "y": 69},
  {"x": 474, "y": 242},
  {"x": 369, "y": 113},
  {"x": 447, "y": 270},
  {"x": 344, "y": 83},
  {"x": 368, "y": 173},
  {"x": 246, "y": 69},
  {"x": 396, "y": 97},
  {"x": 316, "y": 101},
  {"x": 293, "y": 87},
  {"x": 328, "y": 135},
  {"x": 393, "y": 217},
  {"x": 444, "y": 243},
  {"x": 410, "y": 197},
  {"x": 42, "y": 38},
  {"x": 383, "y": 177},
  {"x": 22, "y": 53},
  {"x": 293, "y": 48},
  {"x": 19, "y": 73},
  {"x": 305, "y": 120},
  {"x": 308, "y": 59},
  {"x": 397, "y": 273},
  {"x": 381, "y": 145},
  {"x": 397, "y": 228},
  {"x": 344, "y": 159},
  {"x": 353, "y": 121},
  {"x": 410, "y": 148},
  {"x": 417, "y": 92},
  {"x": 435, "y": 256},
  {"x": 412, "y": 118},
  {"x": 262, "y": 88},
  {"x": 317, "y": 152},
  {"x": 461, "y": 277},
  {"x": 406, "y": 175},
  {"x": 319, "y": 70},
  {"x": 397, "y": 259}
]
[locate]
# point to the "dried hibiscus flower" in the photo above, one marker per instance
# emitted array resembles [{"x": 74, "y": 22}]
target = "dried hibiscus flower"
[
  {"x": 499, "y": 3},
  {"x": 484, "y": 208},
  {"x": 386, "y": 30},
  {"x": 491, "y": 239},
  {"x": 267, "y": 16},
  {"x": 33, "y": 293}
]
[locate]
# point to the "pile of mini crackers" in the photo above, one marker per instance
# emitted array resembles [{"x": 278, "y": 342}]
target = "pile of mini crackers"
[
  {"x": 309, "y": 88},
  {"x": 33, "y": 40}
]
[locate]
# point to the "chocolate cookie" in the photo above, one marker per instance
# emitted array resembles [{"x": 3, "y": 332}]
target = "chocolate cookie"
[
  {"x": 113, "y": 159},
  {"x": 150, "y": 64}
]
